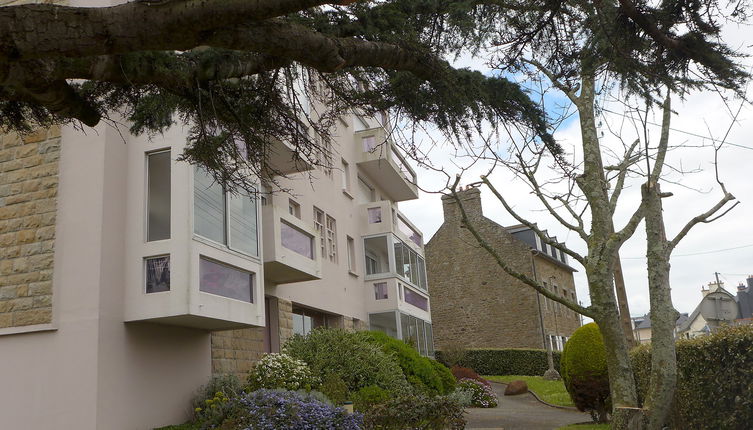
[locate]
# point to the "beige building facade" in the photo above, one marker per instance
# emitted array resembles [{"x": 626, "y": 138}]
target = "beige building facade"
[
  {"x": 476, "y": 304},
  {"x": 128, "y": 278}
]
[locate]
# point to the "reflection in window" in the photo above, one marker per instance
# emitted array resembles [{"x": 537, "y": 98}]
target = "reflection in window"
[
  {"x": 380, "y": 291},
  {"x": 410, "y": 265},
  {"x": 296, "y": 240},
  {"x": 417, "y": 333},
  {"x": 386, "y": 322},
  {"x": 157, "y": 274},
  {"x": 209, "y": 207},
  {"x": 416, "y": 299},
  {"x": 242, "y": 224},
  {"x": 305, "y": 320},
  {"x": 375, "y": 215},
  {"x": 226, "y": 281},
  {"x": 376, "y": 255}
]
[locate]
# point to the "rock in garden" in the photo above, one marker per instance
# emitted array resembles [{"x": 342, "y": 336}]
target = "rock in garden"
[{"x": 516, "y": 387}]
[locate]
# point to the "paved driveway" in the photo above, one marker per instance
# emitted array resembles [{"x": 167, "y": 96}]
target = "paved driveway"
[{"x": 521, "y": 412}]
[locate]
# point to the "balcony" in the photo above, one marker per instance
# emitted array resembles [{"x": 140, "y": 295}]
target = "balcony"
[
  {"x": 384, "y": 164},
  {"x": 384, "y": 217},
  {"x": 283, "y": 159},
  {"x": 291, "y": 248},
  {"x": 390, "y": 294}
]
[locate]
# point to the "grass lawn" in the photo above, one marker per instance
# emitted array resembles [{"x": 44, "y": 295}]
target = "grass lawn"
[
  {"x": 549, "y": 391},
  {"x": 585, "y": 427}
]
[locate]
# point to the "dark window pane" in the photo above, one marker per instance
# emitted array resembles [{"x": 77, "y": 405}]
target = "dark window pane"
[
  {"x": 226, "y": 281},
  {"x": 158, "y": 196},
  {"x": 157, "y": 274},
  {"x": 416, "y": 299},
  {"x": 380, "y": 290}
]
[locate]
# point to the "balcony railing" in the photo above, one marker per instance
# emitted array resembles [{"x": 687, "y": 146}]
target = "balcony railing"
[
  {"x": 384, "y": 217},
  {"x": 382, "y": 162},
  {"x": 291, "y": 247}
]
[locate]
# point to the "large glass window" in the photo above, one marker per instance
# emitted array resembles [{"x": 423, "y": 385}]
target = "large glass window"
[
  {"x": 410, "y": 265},
  {"x": 386, "y": 322},
  {"x": 224, "y": 218},
  {"x": 417, "y": 333},
  {"x": 226, "y": 281},
  {"x": 157, "y": 274},
  {"x": 296, "y": 240},
  {"x": 158, "y": 196},
  {"x": 407, "y": 230},
  {"x": 376, "y": 255},
  {"x": 305, "y": 320},
  {"x": 242, "y": 223}
]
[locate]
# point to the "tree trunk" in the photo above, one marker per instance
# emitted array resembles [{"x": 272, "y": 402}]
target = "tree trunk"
[{"x": 663, "y": 314}]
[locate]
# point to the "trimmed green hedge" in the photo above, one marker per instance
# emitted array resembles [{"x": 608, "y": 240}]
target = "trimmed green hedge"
[
  {"x": 714, "y": 383},
  {"x": 509, "y": 361}
]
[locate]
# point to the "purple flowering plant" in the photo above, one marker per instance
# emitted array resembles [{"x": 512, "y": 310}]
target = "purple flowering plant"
[{"x": 482, "y": 395}]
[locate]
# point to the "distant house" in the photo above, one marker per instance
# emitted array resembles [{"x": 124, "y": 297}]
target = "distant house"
[
  {"x": 642, "y": 327},
  {"x": 745, "y": 302},
  {"x": 718, "y": 307},
  {"x": 476, "y": 304}
]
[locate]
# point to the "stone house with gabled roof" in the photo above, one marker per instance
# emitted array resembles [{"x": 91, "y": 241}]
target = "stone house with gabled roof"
[{"x": 476, "y": 304}]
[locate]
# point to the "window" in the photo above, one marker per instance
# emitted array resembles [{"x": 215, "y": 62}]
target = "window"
[
  {"x": 546, "y": 300},
  {"x": 407, "y": 230},
  {"x": 380, "y": 291},
  {"x": 345, "y": 175},
  {"x": 319, "y": 225},
  {"x": 296, "y": 240},
  {"x": 375, "y": 215},
  {"x": 410, "y": 265},
  {"x": 351, "y": 254},
  {"x": 372, "y": 266},
  {"x": 158, "y": 195},
  {"x": 376, "y": 255},
  {"x": 331, "y": 239},
  {"x": 366, "y": 193},
  {"x": 294, "y": 208},
  {"x": 226, "y": 281},
  {"x": 386, "y": 322},
  {"x": 416, "y": 333},
  {"x": 157, "y": 274},
  {"x": 416, "y": 299},
  {"x": 223, "y": 218},
  {"x": 369, "y": 143},
  {"x": 305, "y": 320}
]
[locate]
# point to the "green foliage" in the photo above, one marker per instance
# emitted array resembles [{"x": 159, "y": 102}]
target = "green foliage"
[
  {"x": 482, "y": 395},
  {"x": 714, "y": 384},
  {"x": 584, "y": 371},
  {"x": 445, "y": 375},
  {"x": 506, "y": 361},
  {"x": 416, "y": 412},
  {"x": 211, "y": 403},
  {"x": 418, "y": 370},
  {"x": 334, "y": 388},
  {"x": 351, "y": 356},
  {"x": 368, "y": 397},
  {"x": 280, "y": 371},
  {"x": 553, "y": 392}
]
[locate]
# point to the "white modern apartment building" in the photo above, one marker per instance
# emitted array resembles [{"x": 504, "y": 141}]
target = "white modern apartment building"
[{"x": 128, "y": 278}]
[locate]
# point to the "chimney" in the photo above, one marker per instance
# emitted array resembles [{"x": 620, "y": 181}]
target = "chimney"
[
  {"x": 471, "y": 200},
  {"x": 741, "y": 287},
  {"x": 750, "y": 282},
  {"x": 704, "y": 291}
]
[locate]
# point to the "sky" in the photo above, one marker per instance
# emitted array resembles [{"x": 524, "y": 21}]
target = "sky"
[{"x": 724, "y": 246}]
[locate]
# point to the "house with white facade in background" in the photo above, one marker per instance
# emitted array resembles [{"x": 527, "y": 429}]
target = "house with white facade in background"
[{"x": 128, "y": 277}]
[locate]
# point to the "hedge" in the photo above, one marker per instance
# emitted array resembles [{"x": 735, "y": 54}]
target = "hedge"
[
  {"x": 714, "y": 383},
  {"x": 507, "y": 361}
]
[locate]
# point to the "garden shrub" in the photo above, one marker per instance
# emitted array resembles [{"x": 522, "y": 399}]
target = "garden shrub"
[
  {"x": 584, "y": 371},
  {"x": 418, "y": 370},
  {"x": 482, "y": 395},
  {"x": 445, "y": 375},
  {"x": 211, "y": 403},
  {"x": 416, "y": 412},
  {"x": 351, "y": 356},
  {"x": 714, "y": 384},
  {"x": 507, "y": 361},
  {"x": 280, "y": 371},
  {"x": 463, "y": 397},
  {"x": 334, "y": 388},
  {"x": 278, "y": 409},
  {"x": 453, "y": 353},
  {"x": 368, "y": 397},
  {"x": 466, "y": 373}
]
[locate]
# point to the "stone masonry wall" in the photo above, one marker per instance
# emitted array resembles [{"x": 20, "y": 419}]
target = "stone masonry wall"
[
  {"x": 558, "y": 319},
  {"x": 28, "y": 203},
  {"x": 474, "y": 303},
  {"x": 236, "y": 351}
]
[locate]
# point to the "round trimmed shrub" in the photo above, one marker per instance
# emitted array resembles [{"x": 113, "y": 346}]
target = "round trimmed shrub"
[
  {"x": 368, "y": 397},
  {"x": 280, "y": 371},
  {"x": 445, "y": 375},
  {"x": 482, "y": 395},
  {"x": 358, "y": 362},
  {"x": 278, "y": 409},
  {"x": 583, "y": 367},
  {"x": 420, "y": 372}
]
